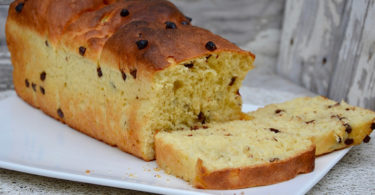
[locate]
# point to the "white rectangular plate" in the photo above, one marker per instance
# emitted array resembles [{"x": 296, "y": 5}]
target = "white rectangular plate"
[{"x": 33, "y": 142}]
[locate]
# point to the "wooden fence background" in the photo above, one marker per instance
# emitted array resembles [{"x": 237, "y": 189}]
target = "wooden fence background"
[{"x": 326, "y": 46}]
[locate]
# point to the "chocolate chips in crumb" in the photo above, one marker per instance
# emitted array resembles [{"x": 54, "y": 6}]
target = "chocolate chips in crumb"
[
  {"x": 82, "y": 50},
  {"x": 141, "y": 44},
  {"x": 338, "y": 139},
  {"x": 277, "y": 111},
  {"x": 202, "y": 118},
  {"x": 348, "y": 128},
  {"x": 60, "y": 113},
  {"x": 233, "y": 79},
  {"x": 366, "y": 139},
  {"x": 372, "y": 126},
  {"x": 189, "y": 65},
  {"x": 211, "y": 46},
  {"x": 170, "y": 25},
  {"x": 42, "y": 90},
  {"x": 308, "y": 122},
  {"x": 334, "y": 105},
  {"x": 99, "y": 71},
  {"x": 134, "y": 73},
  {"x": 124, "y": 13},
  {"x": 46, "y": 43},
  {"x": 43, "y": 76},
  {"x": 349, "y": 141},
  {"x": 19, "y": 7},
  {"x": 274, "y": 130},
  {"x": 27, "y": 84},
  {"x": 123, "y": 74},
  {"x": 33, "y": 85}
]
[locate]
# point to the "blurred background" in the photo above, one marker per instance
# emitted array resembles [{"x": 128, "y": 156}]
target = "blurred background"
[{"x": 302, "y": 47}]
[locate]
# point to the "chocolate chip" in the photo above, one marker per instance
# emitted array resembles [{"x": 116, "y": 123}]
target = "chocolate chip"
[
  {"x": 308, "y": 122},
  {"x": 134, "y": 73},
  {"x": 188, "y": 18},
  {"x": 46, "y": 42},
  {"x": 123, "y": 74},
  {"x": 60, "y": 113},
  {"x": 205, "y": 127},
  {"x": 141, "y": 44},
  {"x": 232, "y": 81},
  {"x": 347, "y": 109},
  {"x": 189, "y": 65},
  {"x": 124, "y": 13},
  {"x": 99, "y": 71},
  {"x": 208, "y": 57},
  {"x": 33, "y": 85},
  {"x": 170, "y": 25},
  {"x": 211, "y": 46},
  {"x": 19, "y": 7},
  {"x": 238, "y": 92},
  {"x": 278, "y": 111},
  {"x": 338, "y": 117},
  {"x": 372, "y": 126},
  {"x": 82, "y": 50},
  {"x": 334, "y": 105},
  {"x": 348, "y": 128},
  {"x": 228, "y": 134},
  {"x": 42, "y": 90},
  {"x": 190, "y": 135},
  {"x": 366, "y": 139},
  {"x": 274, "y": 130},
  {"x": 339, "y": 140},
  {"x": 349, "y": 141},
  {"x": 27, "y": 83},
  {"x": 194, "y": 127},
  {"x": 274, "y": 159},
  {"x": 202, "y": 118},
  {"x": 43, "y": 76}
]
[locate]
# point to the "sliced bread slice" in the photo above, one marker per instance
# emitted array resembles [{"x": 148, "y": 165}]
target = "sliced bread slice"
[
  {"x": 329, "y": 124},
  {"x": 233, "y": 155}
]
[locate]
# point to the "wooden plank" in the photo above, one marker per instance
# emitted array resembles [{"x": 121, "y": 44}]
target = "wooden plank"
[
  {"x": 349, "y": 50},
  {"x": 310, "y": 31},
  {"x": 328, "y": 47},
  {"x": 362, "y": 90}
]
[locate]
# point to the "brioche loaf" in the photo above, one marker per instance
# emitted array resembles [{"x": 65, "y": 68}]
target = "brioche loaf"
[
  {"x": 121, "y": 70},
  {"x": 329, "y": 124},
  {"x": 233, "y": 155}
]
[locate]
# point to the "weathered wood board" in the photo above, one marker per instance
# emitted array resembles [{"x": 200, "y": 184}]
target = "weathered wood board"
[{"x": 328, "y": 47}]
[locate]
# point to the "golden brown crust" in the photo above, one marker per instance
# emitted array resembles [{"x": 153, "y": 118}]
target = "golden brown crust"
[
  {"x": 255, "y": 176},
  {"x": 98, "y": 26}
]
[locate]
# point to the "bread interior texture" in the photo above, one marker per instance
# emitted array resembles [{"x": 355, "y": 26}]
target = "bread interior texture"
[
  {"x": 195, "y": 92},
  {"x": 235, "y": 144}
]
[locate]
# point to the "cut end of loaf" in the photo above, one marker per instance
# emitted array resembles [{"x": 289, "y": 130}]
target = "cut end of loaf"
[{"x": 193, "y": 93}]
